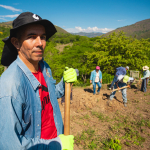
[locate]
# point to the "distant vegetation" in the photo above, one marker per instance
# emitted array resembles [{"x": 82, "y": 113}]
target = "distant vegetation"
[
  {"x": 85, "y": 53},
  {"x": 91, "y": 34},
  {"x": 107, "y": 52}
]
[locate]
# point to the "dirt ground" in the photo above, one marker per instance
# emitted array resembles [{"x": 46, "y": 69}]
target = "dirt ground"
[{"x": 84, "y": 102}]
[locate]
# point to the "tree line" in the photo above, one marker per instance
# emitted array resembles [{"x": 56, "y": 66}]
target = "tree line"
[{"x": 86, "y": 53}]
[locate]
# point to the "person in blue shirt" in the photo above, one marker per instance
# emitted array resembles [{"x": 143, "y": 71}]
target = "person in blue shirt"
[
  {"x": 96, "y": 78},
  {"x": 20, "y": 105},
  {"x": 119, "y": 71}
]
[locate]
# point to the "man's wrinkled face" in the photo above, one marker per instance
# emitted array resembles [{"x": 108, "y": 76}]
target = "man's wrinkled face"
[{"x": 32, "y": 42}]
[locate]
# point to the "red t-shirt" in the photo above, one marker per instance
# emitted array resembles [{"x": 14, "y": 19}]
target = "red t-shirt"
[{"x": 48, "y": 128}]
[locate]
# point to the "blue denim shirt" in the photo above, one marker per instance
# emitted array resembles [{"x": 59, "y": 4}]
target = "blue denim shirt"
[
  {"x": 93, "y": 76},
  {"x": 20, "y": 108},
  {"x": 120, "y": 71}
]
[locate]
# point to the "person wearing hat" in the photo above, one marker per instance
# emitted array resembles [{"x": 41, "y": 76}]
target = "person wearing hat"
[
  {"x": 29, "y": 110},
  {"x": 119, "y": 71},
  {"x": 121, "y": 82},
  {"x": 96, "y": 78},
  {"x": 145, "y": 78}
]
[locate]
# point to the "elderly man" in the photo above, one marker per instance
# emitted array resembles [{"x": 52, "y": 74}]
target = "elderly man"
[
  {"x": 119, "y": 71},
  {"x": 145, "y": 78},
  {"x": 29, "y": 111},
  {"x": 96, "y": 78}
]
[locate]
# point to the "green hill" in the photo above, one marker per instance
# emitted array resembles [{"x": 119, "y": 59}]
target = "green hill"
[
  {"x": 6, "y": 26},
  {"x": 139, "y": 30}
]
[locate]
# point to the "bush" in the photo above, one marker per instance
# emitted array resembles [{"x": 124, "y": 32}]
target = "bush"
[{"x": 107, "y": 78}]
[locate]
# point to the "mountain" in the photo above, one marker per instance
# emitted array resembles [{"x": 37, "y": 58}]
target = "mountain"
[
  {"x": 9, "y": 25},
  {"x": 139, "y": 30},
  {"x": 91, "y": 34}
]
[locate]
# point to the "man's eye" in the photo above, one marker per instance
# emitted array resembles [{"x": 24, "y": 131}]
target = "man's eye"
[
  {"x": 43, "y": 37},
  {"x": 32, "y": 37}
]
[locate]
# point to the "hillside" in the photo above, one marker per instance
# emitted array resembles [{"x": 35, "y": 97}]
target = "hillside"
[
  {"x": 91, "y": 34},
  {"x": 139, "y": 30},
  {"x": 9, "y": 25}
]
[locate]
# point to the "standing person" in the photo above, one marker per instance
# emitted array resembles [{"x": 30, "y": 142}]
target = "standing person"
[
  {"x": 96, "y": 78},
  {"x": 29, "y": 110},
  {"x": 119, "y": 71},
  {"x": 145, "y": 78},
  {"x": 63, "y": 98},
  {"x": 121, "y": 82}
]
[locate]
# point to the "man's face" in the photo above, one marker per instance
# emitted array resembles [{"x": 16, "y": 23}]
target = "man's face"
[
  {"x": 32, "y": 43},
  {"x": 97, "y": 70}
]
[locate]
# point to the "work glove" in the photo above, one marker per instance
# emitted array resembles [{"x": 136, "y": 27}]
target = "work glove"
[
  {"x": 67, "y": 141},
  {"x": 69, "y": 75}
]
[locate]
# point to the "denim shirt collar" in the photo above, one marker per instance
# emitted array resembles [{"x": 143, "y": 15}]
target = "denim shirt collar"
[{"x": 34, "y": 82}]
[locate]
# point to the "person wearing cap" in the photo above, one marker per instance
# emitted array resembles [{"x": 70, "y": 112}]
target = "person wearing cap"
[
  {"x": 96, "y": 78},
  {"x": 145, "y": 79},
  {"x": 29, "y": 110},
  {"x": 119, "y": 71},
  {"x": 121, "y": 82}
]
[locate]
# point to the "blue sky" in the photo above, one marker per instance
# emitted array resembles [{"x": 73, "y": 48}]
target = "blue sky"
[{"x": 80, "y": 15}]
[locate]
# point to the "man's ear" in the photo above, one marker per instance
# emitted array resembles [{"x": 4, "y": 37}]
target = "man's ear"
[{"x": 15, "y": 42}]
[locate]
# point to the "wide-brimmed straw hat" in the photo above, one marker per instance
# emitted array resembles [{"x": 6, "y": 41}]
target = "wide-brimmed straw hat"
[
  {"x": 9, "y": 52},
  {"x": 145, "y": 68}
]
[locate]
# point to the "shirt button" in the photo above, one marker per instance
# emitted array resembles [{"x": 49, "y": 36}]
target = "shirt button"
[
  {"x": 39, "y": 95},
  {"x": 37, "y": 136},
  {"x": 39, "y": 111},
  {"x": 54, "y": 114},
  {"x": 38, "y": 124},
  {"x": 56, "y": 123}
]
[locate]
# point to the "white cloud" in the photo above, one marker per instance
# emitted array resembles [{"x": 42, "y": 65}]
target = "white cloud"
[
  {"x": 89, "y": 29},
  {"x": 3, "y": 19},
  {"x": 9, "y": 16},
  {"x": 10, "y": 8}
]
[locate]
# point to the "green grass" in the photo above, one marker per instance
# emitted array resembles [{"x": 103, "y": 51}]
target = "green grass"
[{"x": 123, "y": 131}]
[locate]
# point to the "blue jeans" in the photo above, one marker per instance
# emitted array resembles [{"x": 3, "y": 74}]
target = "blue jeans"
[
  {"x": 124, "y": 92},
  {"x": 143, "y": 86},
  {"x": 94, "y": 87},
  {"x": 114, "y": 80}
]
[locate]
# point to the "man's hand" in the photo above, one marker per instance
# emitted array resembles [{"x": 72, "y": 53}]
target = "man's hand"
[
  {"x": 69, "y": 75},
  {"x": 67, "y": 141},
  {"x": 128, "y": 85},
  {"x": 90, "y": 81},
  {"x": 118, "y": 88}
]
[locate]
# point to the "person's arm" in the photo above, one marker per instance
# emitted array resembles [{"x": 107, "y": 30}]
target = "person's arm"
[
  {"x": 11, "y": 129},
  {"x": 101, "y": 77},
  {"x": 91, "y": 76},
  {"x": 117, "y": 85}
]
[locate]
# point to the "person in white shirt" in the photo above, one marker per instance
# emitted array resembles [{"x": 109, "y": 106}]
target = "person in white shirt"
[{"x": 96, "y": 78}]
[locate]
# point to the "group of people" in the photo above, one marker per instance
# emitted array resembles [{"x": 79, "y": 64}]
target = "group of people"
[{"x": 119, "y": 82}]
